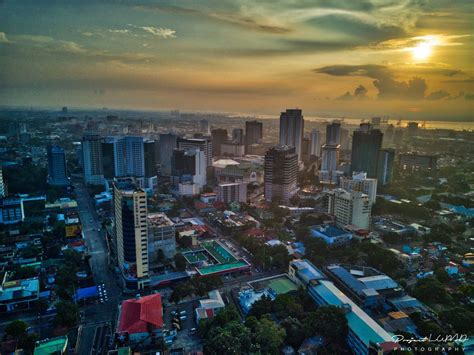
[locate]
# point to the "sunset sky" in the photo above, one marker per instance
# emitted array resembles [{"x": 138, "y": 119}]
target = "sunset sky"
[{"x": 404, "y": 59}]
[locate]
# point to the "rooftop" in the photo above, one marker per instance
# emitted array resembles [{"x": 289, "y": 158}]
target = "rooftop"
[
  {"x": 137, "y": 315},
  {"x": 159, "y": 220},
  {"x": 51, "y": 346}
]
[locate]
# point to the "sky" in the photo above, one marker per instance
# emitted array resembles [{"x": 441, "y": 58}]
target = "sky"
[{"x": 331, "y": 58}]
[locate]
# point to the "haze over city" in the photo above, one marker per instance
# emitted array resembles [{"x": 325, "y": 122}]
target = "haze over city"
[{"x": 404, "y": 59}]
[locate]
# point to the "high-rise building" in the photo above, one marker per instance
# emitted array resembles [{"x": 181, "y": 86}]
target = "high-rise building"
[
  {"x": 281, "y": 170},
  {"x": 398, "y": 137},
  {"x": 350, "y": 208},
  {"x": 151, "y": 150},
  {"x": 232, "y": 191},
  {"x": 204, "y": 144},
  {"x": 188, "y": 166},
  {"x": 238, "y": 136},
  {"x": 333, "y": 133},
  {"x": 108, "y": 157},
  {"x": 161, "y": 236},
  {"x": 315, "y": 147},
  {"x": 129, "y": 156},
  {"x": 57, "y": 168},
  {"x": 204, "y": 126},
  {"x": 168, "y": 142},
  {"x": 329, "y": 172},
  {"x": 360, "y": 182},
  {"x": 253, "y": 132},
  {"x": 344, "y": 139},
  {"x": 366, "y": 144},
  {"x": 385, "y": 166},
  {"x": 305, "y": 148},
  {"x": 412, "y": 129},
  {"x": 291, "y": 129},
  {"x": 2, "y": 184},
  {"x": 131, "y": 232},
  {"x": 219, "y": 136},
  {"x": 92, "y": 159}
]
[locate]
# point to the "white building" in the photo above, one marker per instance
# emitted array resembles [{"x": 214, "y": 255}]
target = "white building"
[
  {"x": 291, "y": 129},
  {"x": 92, "y": 159},
  {"x": 203, "y": 144},
  {"x": 360, "y": 182},
  {"x": 232, "y": 191},
  {"x": 161, "y": 236},
  {"x": 315, "y": 145},
  {"x": 350, "y": 208}
]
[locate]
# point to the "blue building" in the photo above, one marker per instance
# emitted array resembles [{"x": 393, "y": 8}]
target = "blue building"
[
  {"x": 57, "y": 168},
  {"x": 331, "y": 235}
]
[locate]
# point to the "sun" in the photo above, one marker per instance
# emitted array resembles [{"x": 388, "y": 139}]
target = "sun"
[{"x": 424, "y": 48}]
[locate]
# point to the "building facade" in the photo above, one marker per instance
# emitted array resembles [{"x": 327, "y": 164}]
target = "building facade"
[
  {"x": 366, "y": 144},
  {"x": 360, "y": 182},
  {"x": 350, "y": 208},
  {"x": 291, "y": 130},
  {"x": 203, "y": 144},
  {"x": 57, "y": 167},
  {"x": 161, "y": 236},
  {"x": 253, "y": 132},
  {"x": 232, "y": 191},
  {"x": 281, "y": 170},
  {"x": 92, "y": 159}
]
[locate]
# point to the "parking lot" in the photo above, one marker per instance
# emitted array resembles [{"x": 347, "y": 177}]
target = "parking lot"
[{"x": 186, "y": 338}]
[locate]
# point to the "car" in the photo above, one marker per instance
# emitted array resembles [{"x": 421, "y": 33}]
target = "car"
[
  {"x": 183, "y": 318},
  {"x": 173, "y": 313},
  {"x": 193, "y": 330},
  {"x": 183, "y": 313}
]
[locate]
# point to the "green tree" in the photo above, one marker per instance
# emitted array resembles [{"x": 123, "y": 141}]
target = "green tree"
[
  {"x": 431, "y": 291},
  {"x": 294, "y": 334},
  {"x": 67, "y": 314},
  {"x": 268, "y": 337},
  {"x": 441, "y": 275},
  {"x": 16, "y": 328},
  {"x": 180, "y": 262},
  {"x": 328, "y": 321},
  {"x": 288, "y": 305},
  {"x": 460, "y": 318},
  {"x": 261, "y": 307}
]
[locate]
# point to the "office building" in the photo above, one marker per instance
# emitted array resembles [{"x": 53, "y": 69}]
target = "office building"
[
  {"x": 344, "y": 139},
  {"x": 92, "y": 159},
  {"x": 151, "y": 151},
  {"x": 350, "y": 208},
  {"x": 204, "y": 144},
  {"x": 238, "y": 136},
  {"x": 232, "y": 149},
  {"x": 108, "y": 157},
  {"x": 366, "y": 144},
  {"x": 305, "y": 148},
  {"x": 204, "y": 126},
  {"x": 57, "y": 167},
  {"x": 167, "y": 142},
  {"x": 3, "y": 189},
  {"x": 229, "y": 170},
  {"x": 219, "y": 136},
  {"x": 189, "y": 167},
  {"x": 333, "y": 133},
  {"x": 253, "y": 132},
  {"x": 161, "y": 236},
  {"x": 329, "y": 172},
  {"x": 385, "y": 166},
  {"x": 291, "y": 130},
  {"x": 414, "y": 162},
  {"x": 360, "y": 182},
  {"x": 11, "y": 210},
  {"x": 129, "y": 156},
  {"x": 315, "y": 145},
  {"x": 131, "y": 232},
  {"x": 281, "y": 170},
  {"x": 232, "y": 191}
]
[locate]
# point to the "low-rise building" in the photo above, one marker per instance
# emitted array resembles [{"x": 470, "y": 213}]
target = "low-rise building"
[
  {"x": 411, "y": 261},
  {"x": 331, "y": 235},
  {"x": 16, "y": 295},
  {"x": 161, "y": 236},
  {"x": 53, "y": 346},
  {"x": 302, "y": 272},
  {"x": 232, "y": 191},
  {"x": 209, "y": 306}
]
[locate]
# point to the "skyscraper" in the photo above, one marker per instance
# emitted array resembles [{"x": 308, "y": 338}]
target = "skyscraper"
[
  {"x": 150, "y": 148},
  {"x": 385, "y": 166},
  {"x": 57, "y": 168},
  {"x": 333, "y": 133},
  {"x": 253, "y": 132},
  {"x": 188, "y": 166},
  {"x": 330, "y": 161},
  {"x": 204, "y": 144},
  {"x": 2, "y": 184},
  {"x": 366, "y": 144},
  {"x": 291, "y": 129},
  {"x": 315, "y": 147},
  {"x": 131, "y": 232},
  {"x": 167, "y": 143},
  {"x": 204, "y": 126},
  {"x": 92, "y": 159},
  {"x": 281, "y": 170},
  {"x": 219, "y": 136},
  {"x": 238, "y": 135}
]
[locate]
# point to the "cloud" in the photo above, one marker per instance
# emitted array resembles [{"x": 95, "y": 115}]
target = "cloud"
[
  {"x": 119, "y": 31},
  {"x": 50, "y": 44},
  {"x": 438, "y": 95},
  {"x": 469, "y": 96},
  {"x": 159, "y": 32},
  {"x": 360, "y": 93},
  {"x": 4, "y": 38}
]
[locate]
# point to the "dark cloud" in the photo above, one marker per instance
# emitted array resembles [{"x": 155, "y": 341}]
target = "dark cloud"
[
  {"x": 360, "y": 93},
  {"x": 469, "y": 96},
  {"x": 438, "y": 95}
]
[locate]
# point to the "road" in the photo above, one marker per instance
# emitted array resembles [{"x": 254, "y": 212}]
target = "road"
[{"x": 99, "y": 319}]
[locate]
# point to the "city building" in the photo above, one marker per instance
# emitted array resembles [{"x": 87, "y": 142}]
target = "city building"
[
  {"x": 92, "y": 159},
  {"x": 360, "y": 182},
  {"x": 414, "y": 162},
  {"x": 232, "y": 191},
  {"x": 411, "y": 261},
  {"x": 17, "y": 295},
  {"x": 333, "y": 133},
  {"x": 204, "y": 144},
  {"x": 140, "y": 320},
  {"x": 350, "y": 208},
  {"x": 189, "y": 167},
  {"x": 344, "y": 139},
  {"x": 315, "y": 146},
  {"x": 219, "y": 136},
  {"x": 131, "y": 232},
  {"x": 204, "y": 126},
  {"x": 151, "y": 151},
  {"x": 385, "y": 166},
  {"x": 230, "y": 170},
  {"x": 210, "y": 306},
  {"x": 281, "y": 170},
  {"x": 238, "y": 136},
  {"x": 52, "y": 346},
  {"x": 331, "y": 235},
  {"x": 232, "y": 149},
  {"x": 366, "y": 144},
  {"x": 253, "y": 132},
  {"x": 3, "y": 191},
  {"x": 11, "y": 210},
  {"x": 161, "y": 236},
  {"x": 329, "y": 172},
  {"x": 302, "y": 272},
  {"x": 291, "y": 130},
  {"x": 57, "y": 167},
  {"x": 167, "y": 142}
]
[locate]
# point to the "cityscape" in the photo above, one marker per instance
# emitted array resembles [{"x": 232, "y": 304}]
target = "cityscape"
[{"x": 156, "y": 201}]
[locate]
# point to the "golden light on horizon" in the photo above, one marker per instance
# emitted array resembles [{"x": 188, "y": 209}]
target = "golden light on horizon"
[{"x": 424, "y": 49}]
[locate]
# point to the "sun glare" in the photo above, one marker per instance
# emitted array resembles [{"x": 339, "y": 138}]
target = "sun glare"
[{"x": 423, "y": 50}]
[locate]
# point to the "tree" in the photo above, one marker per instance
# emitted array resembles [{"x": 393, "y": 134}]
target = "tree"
[
  {"x": 261, "y": 307},
  {"x": 431, "y": 291},
  {"x": 441, "y": 275},
  {"x": 328, "y": 321},
  {"x": 16, "y": 328},
  {"x": 180, "y": 262},
  {"x": 294, "y": 335},
  {"x": 460, "y": 318},
  {"x": 67, "y": 314},
  {"x": 268, "y": 337},
  {"x": 288, "y": 305}
]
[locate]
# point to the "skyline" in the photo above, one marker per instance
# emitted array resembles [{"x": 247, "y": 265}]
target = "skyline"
[{"x": 331, "y": 58}]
